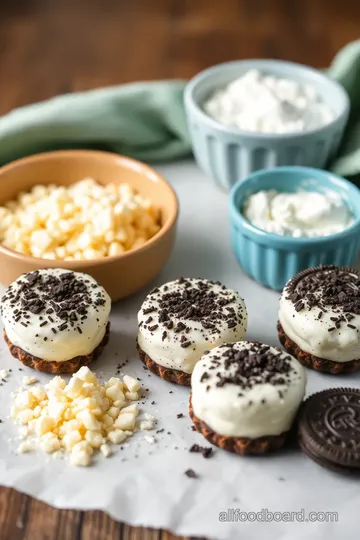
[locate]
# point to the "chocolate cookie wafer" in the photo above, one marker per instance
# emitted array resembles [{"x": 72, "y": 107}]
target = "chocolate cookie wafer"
[
  {"x": 46, "y": 366},
  {"x": 168, "y": 374},
  {"x": 243, "y": 446}
]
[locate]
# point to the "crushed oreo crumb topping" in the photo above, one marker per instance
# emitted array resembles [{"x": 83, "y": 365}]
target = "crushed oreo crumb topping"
[
  {"x": 258, "y": 364},
  {"x": 62, "y": 299},
  {"x": 327, "y": 288},
  {"x": 192, "y": 300}
]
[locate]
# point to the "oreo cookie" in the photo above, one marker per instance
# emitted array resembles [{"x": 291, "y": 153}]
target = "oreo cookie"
[{"x": 329, "y": 428}]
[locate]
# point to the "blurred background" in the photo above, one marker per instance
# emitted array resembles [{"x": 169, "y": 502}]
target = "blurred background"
[{"x": 49, "y": 47}]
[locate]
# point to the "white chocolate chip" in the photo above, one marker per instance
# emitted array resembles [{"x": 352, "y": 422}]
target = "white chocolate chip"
[
  {"x": 114, "y": 412},
  {"x": 146, "y": 425},
  {"x": 120, "y": 403},
  {"x": 56, "y": 383},
  {"x": 29, "y": 380},
  {"x": 80, "y": 459},
  {"x": 49, "y": 443},
  {"x": 132, "y": 384},
  {"x": 94, "y": 438},
  {"x": 24, "y": 399},
  {"x": 44, "y": 424},
  {"x": 132, "y": 396},
  {"x": 88, "y": 420},
  {"x": 86, "y": 375},
  {"x": 24, "y": 416},
  {"x": 105, "y": 450},
  {"x": 24, "y": 447},
  {"x": 117, "y": 436},
  {"x": 115, "y": 393},
  {"x": 125, "y": 421},
  {"x": 77, "y": 418},
  {"x": 82, "y": 221},
  {"x": 70, "y": 439},
  {"x": 133, "y": 409},
  {"x": 82, "y": 446}
]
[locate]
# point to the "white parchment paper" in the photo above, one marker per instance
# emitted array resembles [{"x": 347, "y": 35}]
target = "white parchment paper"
[{"x": 145, "y": 484}]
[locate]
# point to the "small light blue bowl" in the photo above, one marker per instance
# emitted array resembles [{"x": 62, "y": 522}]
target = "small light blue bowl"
[
  {"x": 272, "y": 259},
  {"x": 228, "y": 154}
]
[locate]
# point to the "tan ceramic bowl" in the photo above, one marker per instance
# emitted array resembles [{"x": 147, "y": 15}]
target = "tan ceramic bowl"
[{"x": 121, "y": 275}]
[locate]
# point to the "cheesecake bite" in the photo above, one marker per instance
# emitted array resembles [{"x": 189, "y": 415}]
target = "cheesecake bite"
[
  {"x": 55, "y": 320},
  {"x": 182, "y": 319},
  {"x": 319, "y": 318},
  {"x": 245, "y": 396}
]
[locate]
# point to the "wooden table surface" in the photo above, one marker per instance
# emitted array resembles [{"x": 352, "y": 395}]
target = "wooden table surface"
[{"x": 48, "y": 47}]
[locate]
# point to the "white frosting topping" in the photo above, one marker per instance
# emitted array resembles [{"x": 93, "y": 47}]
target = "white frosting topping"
[
  {"x": 237, "y": 400},
  {"x": 336, "y": 334},
  {"x": 304, "y": 213},
  {"x": 55, "y": 314},
  {"x": 267, "y": 104},
  {"x": 182, "y": 319}
]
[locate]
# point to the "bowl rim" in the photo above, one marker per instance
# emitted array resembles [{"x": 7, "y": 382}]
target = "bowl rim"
[
  {"x": 237, "y": 217},
  {"x": 194, "y": 106},
  {"x": 98, "y": 154}
]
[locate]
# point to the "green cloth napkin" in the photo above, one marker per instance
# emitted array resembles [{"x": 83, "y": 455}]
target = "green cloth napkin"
[
  {"x": 142, "y": 120},
  {"x": 146, "y": 120},
  {"x": 345, "y": 68}
]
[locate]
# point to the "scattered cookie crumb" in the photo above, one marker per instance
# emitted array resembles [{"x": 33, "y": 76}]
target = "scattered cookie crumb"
[
  {"x": 180, "y": 415},
  {"x": 205, "y": 451},
  {"x": 190, "y": 473}
]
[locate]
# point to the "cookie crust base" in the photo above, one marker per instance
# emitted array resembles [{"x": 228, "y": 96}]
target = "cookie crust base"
[
  {"x": 70, "y": 366},
  {"x": 168, "y": 374},
  {"x": 242, "y": 446},
  {"x": 314, "y": 362}
]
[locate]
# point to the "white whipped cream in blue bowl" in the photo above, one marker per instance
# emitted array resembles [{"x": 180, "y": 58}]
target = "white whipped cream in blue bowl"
[{"x": 286, "y": 219}]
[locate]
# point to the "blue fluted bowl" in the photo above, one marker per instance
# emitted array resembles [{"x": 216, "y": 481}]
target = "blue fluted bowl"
[
  {"x": 272, "y": 259},
  {"x": 228, "y": 154}
]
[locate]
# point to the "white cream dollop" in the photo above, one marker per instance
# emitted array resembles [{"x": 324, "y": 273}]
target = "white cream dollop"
[
  {"x": 318, "y": 335},
  {"x": 164, "y": 345},
  {"x": 300, "y": 214},
  {"x": 250, "y": 411},
  {"x": 40, "y": 335},
  {"x": 266, "y": 104}
]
